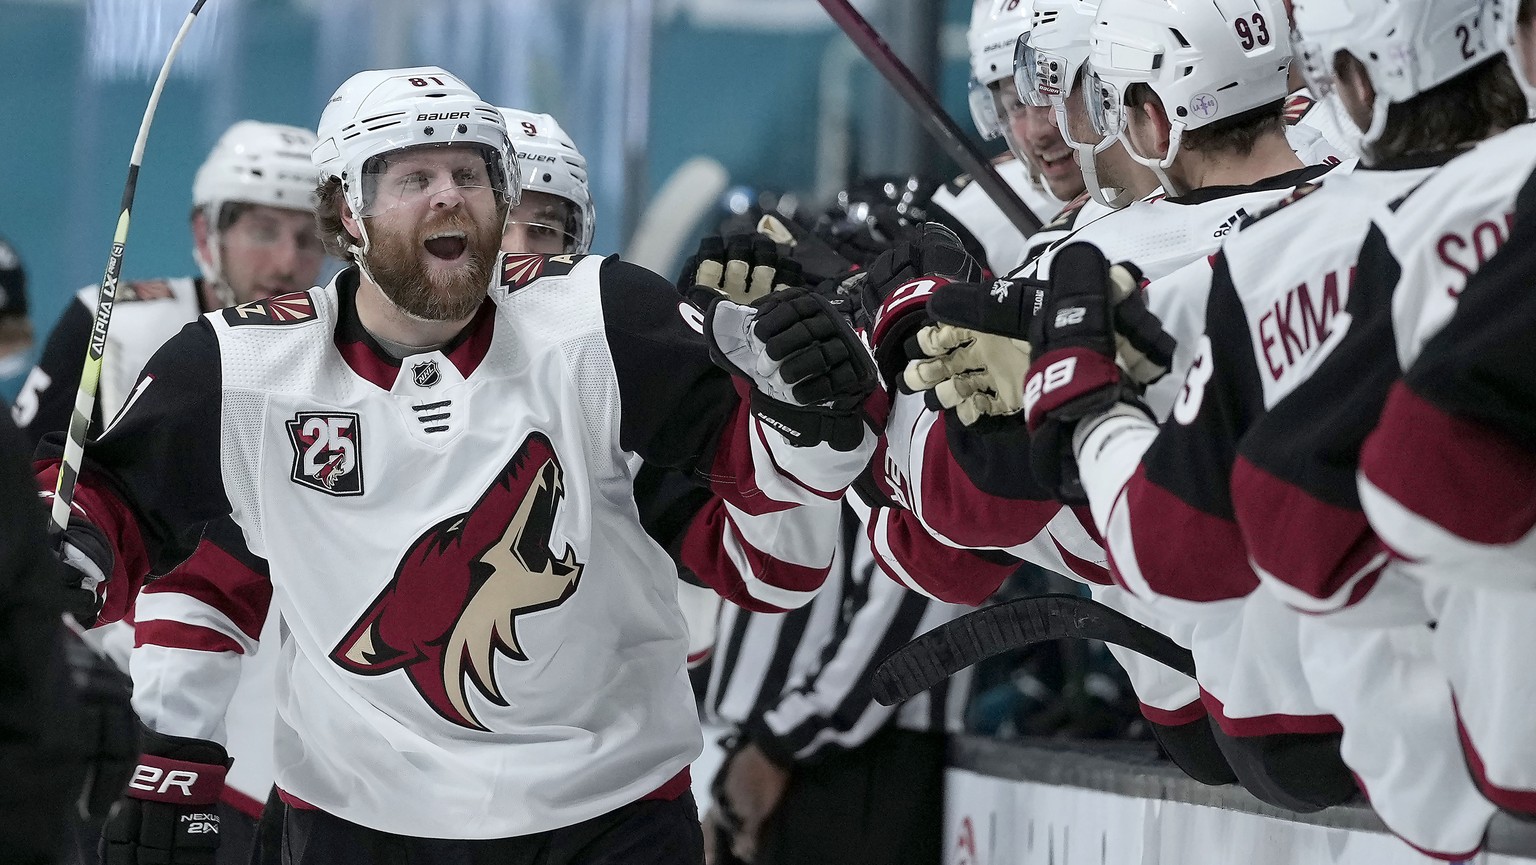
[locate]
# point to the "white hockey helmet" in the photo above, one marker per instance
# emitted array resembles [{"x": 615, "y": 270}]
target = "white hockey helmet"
[
  {"x": 1506, "y": 32},
  {"x": 549, "y": 162},
  {"x": 1406, "y": 46},
  {"x": 252, "y": 163},
  {"x": 1206, "y": 61},
  {"x": 1047, "y": 61},
  {"x": 382, "y": 111},
  {"x": 995, "y": 29}
]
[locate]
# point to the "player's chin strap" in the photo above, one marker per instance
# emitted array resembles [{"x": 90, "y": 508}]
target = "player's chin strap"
[
  {"x": 212, "y": 266},
  {"x": 1160, "y": 166}
]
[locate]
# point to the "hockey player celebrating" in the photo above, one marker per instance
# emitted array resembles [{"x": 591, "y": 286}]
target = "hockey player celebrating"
[
  {"x": 554, "y": 215},
  {"x": 253, "y": 236},
  {"x": 253, "y": 230},
  {"x": 1041, "y": 170},
  {"x": 1245, "y": 474},
  {"x": 483, "y": 654}
]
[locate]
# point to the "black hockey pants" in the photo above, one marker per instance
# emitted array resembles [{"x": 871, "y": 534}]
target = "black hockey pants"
[{"x": 648, "y": 832}]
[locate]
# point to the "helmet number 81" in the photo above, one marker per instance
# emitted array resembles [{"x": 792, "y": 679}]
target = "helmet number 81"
[
  {"x": 426, "y": 82},
  {"x": 1251, "y": 34}
]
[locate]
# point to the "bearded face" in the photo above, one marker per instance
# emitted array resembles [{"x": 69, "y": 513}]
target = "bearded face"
[{"x": 434, "y": 230}]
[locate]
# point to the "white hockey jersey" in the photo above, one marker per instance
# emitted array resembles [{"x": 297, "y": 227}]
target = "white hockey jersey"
[
  {"x": 1445, "y": 493},
  {"x": 1280, "y": 300},
  {"x": 480, "y": 640},
  {"x": 147, "y": 313}
]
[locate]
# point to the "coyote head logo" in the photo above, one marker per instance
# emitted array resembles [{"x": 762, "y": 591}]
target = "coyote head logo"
[{"x": 453, "y": 604}]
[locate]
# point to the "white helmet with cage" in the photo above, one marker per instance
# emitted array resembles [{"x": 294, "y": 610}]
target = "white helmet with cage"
[
  {"x": 995, "y": 29},
  {"x": 1206, "y": 62},
  {"x": 1048, "y": 60},
  {"x": 383, "y": 111},
  {"x": 549, "y": 162},
  {"x": 1406, "y": 46},
  {"x": 251, "y": 163}
]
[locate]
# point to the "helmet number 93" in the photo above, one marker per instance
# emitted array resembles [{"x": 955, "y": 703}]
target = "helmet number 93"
[{"x": 1252, "y": 31}]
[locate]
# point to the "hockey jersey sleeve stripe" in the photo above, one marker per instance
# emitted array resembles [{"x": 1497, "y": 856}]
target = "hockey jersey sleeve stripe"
[
  {"x": 1518, "y": 801},
  {"x": 1462, "y": 476},
  {"x": 1079, "y": 567},
  {"x": 805, "y": 535},
  {"x": 95, "y": 501},
  {"x": 1160, "y": 544},
  {"x": 171, "y": 634},
  {"x": 911, "y": 556},
  {"x": 955, "y": 507},
  {"x": 714, "y": 551},
  {"x": 886, "y": 558},
  {"x": 769, "y": 446},
  {"x": 220, "y": 582},
  {"x": 192, "y": 612},
  {"x": 1179, "y": 550},
  {"x": 1320, "y": 548}
]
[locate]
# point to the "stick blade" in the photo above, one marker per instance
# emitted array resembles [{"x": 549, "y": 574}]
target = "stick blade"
[{"x": 987, "y": 633}]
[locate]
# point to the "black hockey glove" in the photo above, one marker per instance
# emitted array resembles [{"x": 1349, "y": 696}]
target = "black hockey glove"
[
  {"x": 809, "y": 372},
  {"x": 107, "y": 735},
  {"x": 87, "y": 562},
  {"x": 896, "y": 287},
  {"x": 169, "y": 815},
  {"x": 744, "y": 268},
  {"x": 1074, "y": 374}
]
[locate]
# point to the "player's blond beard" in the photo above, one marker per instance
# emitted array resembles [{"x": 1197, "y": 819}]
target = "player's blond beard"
[{"x": 395, "y": 263}]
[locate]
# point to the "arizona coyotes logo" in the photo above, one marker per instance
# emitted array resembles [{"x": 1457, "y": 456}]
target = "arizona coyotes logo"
[
  {"x": 454, "y": 602},
  {"x": 519, "y": 269}
]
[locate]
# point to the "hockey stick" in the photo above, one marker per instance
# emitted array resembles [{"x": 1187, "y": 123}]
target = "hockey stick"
[
  {"x": 932, "y": 114},
  {"x": 106, "y": 295},
  {"x": 975, "y": 637}
]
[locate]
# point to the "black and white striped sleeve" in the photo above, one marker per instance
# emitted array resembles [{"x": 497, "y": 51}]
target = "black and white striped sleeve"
[{"x": 798, "y": 684}]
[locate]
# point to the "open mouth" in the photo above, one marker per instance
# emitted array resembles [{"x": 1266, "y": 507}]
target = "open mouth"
[
  {"x": 446, "y": 245},
  {"x": 1055, "y": 161}
]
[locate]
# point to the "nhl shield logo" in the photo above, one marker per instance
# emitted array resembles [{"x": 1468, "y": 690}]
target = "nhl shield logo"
[
  {"x": 327, "y": 452},
  {"x": 426, "y": 374}
]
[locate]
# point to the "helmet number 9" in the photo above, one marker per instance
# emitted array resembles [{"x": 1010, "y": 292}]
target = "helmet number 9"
[
  {"x": 424, "y": 82},
  {"x": 1252, "y": 34},
  {"x": 530, "y": 130}
]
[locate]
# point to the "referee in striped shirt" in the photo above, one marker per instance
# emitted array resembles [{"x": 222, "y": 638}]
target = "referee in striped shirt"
[{"x": 816, "y": 771}]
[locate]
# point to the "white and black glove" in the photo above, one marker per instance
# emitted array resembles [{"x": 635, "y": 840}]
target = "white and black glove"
[
  {"x": 169, "y": 813},
  {"x": 809, "y": 372},
  {"x": 87, "y": 562},
  {"x": 745, "y": 268}
]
